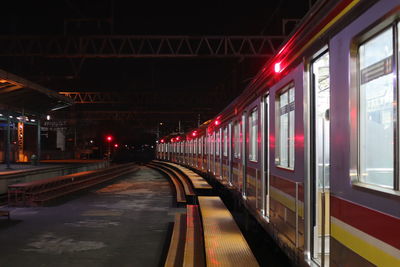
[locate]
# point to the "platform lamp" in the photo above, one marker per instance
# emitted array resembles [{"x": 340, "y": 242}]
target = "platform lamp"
[{"x": 109, "y": 139}]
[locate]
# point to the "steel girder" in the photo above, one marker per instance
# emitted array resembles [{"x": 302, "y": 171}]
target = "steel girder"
[
  {"x": 158, "y": 99},
  {"x": 130, "y": 46}
]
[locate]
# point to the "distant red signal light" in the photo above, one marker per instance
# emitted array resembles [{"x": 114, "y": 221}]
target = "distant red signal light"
[
  {"x": 172, "y": 139},
  {"x": 177, "y": 139},
  {"x": 162, "y": 141},
  {"x": 109, "y": 138},
  {"x": 217, "y": 122},
  {"x": 116, "y": 145},
  {"x": 194, "y": 133}
]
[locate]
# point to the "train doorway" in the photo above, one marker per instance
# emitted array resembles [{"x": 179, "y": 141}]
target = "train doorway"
[
  {"x": 264, "y": 157},
  {"x": 320, "y": 161}
]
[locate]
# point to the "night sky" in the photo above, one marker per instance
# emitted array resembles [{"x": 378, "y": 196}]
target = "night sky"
[{"x": 192, "y": 18}]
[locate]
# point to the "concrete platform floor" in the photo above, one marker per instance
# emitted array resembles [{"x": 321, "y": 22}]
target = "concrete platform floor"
[{"x": 125, "y": 223}]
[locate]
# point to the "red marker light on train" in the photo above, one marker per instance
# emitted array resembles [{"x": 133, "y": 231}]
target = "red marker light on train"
[
  {"x": 277, "y": 67},
  {"x": 194, "y": 133},
  {"x": 216, "y": 122},
  {"x": 177, "y": 139},
  {"x": 162, "y": 141}
]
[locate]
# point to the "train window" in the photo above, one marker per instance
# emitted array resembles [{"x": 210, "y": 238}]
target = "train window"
[
  {"x": 195, "y": 146},
  {"x": 206, "y": 144},
  {"x": 226, "y": 142},
  {"x": 200, "y": 145},
  {"x": 253, "y": 135},
  {"x": 212, "y": 148},
  {"x": 236, "y": 140},
  {"x": 285, "y": 129},
  {"x": 217, "y": 141},
  {"x": 377, "y": 109}
]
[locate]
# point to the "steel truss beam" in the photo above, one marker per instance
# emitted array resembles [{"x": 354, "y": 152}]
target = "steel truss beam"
[
  {"x": 158, "y": 99},
  {"x": 128, "y": 46}
]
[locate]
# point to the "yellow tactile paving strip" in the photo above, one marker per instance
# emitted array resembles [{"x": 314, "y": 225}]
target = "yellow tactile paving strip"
[
  {"x": 193, "y": 255},
  {"x": 175, "y": 255},
  {"x": 197, "y": 181},
  {"x": 224, "y": 242}
]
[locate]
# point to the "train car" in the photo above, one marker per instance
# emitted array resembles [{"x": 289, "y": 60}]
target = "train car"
[{"x": 311, "y": 147}]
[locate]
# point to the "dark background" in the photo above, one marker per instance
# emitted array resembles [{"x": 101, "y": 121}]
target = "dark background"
[{"x": 198, "y": 76}]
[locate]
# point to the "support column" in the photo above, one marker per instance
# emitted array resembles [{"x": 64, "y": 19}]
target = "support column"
[
  {"x": 38, "y": 143},
  {"x": 20, "y": 143},
  {"x": 7, "y": 143},
  {"x": 60, "y": 139}
]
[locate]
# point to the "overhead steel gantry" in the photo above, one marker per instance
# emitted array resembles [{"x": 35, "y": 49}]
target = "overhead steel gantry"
[
  {"x": 131, "y": 46},
  {"x": 140, "y": 99}
]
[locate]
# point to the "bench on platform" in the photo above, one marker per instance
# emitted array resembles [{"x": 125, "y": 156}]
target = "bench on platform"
[
  {"x": 224, "y": 243},
  {"x": 179, "y": 190}
]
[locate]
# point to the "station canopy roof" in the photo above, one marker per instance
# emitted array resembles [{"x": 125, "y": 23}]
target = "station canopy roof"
[{"x": 20, "y": 95}]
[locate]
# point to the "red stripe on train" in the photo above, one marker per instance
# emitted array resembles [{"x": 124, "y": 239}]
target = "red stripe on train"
[{"x": 377, "y": 224}]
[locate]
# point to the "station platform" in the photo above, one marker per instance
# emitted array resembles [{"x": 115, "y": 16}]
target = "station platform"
[
  {"x": 122, "y": 223},
  {"x": 131, "y": 221}
]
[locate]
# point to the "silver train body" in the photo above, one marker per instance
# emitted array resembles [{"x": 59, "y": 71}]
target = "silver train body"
[{"x": 312, "y": 145}]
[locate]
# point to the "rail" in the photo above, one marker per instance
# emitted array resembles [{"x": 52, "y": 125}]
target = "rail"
[{"x": 40, "y": 191}]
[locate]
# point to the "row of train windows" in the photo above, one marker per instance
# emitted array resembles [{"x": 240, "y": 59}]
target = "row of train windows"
[{"x": 378, "y": 115}]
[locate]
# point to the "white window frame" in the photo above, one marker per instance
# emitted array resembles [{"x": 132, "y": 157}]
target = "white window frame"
[
  {"x": 290, "y": 165},
  {"x": 225, "y": 141},
  {"x": 253, "y": 142},
  {"x": 355, "y": 157},
  {"x": 217, "y": 143}
]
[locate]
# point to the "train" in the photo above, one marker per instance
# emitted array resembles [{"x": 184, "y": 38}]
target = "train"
[{"x": 311, "y": 146}]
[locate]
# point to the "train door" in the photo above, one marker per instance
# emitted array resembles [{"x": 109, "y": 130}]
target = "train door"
[
  {"x": 319, "y": 159},
  {"x": 212, "y": 163},
  {"x": 244, "y": 154},
  {"x": 236, "y": 162},
  {"x": 217, "y": 154},
  {"x": 264, "y": 191},
  {"x": 230, "y": 152},
  {"x": 221, "y": 153}
]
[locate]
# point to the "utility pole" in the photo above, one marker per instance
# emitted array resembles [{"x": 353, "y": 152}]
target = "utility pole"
[{"x": 198, "y": 120}]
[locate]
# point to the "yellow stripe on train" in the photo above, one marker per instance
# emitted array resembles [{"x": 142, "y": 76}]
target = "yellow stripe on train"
[
  {"x": 287, "y": 200},
  {"x": 368, "y": 247}
]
